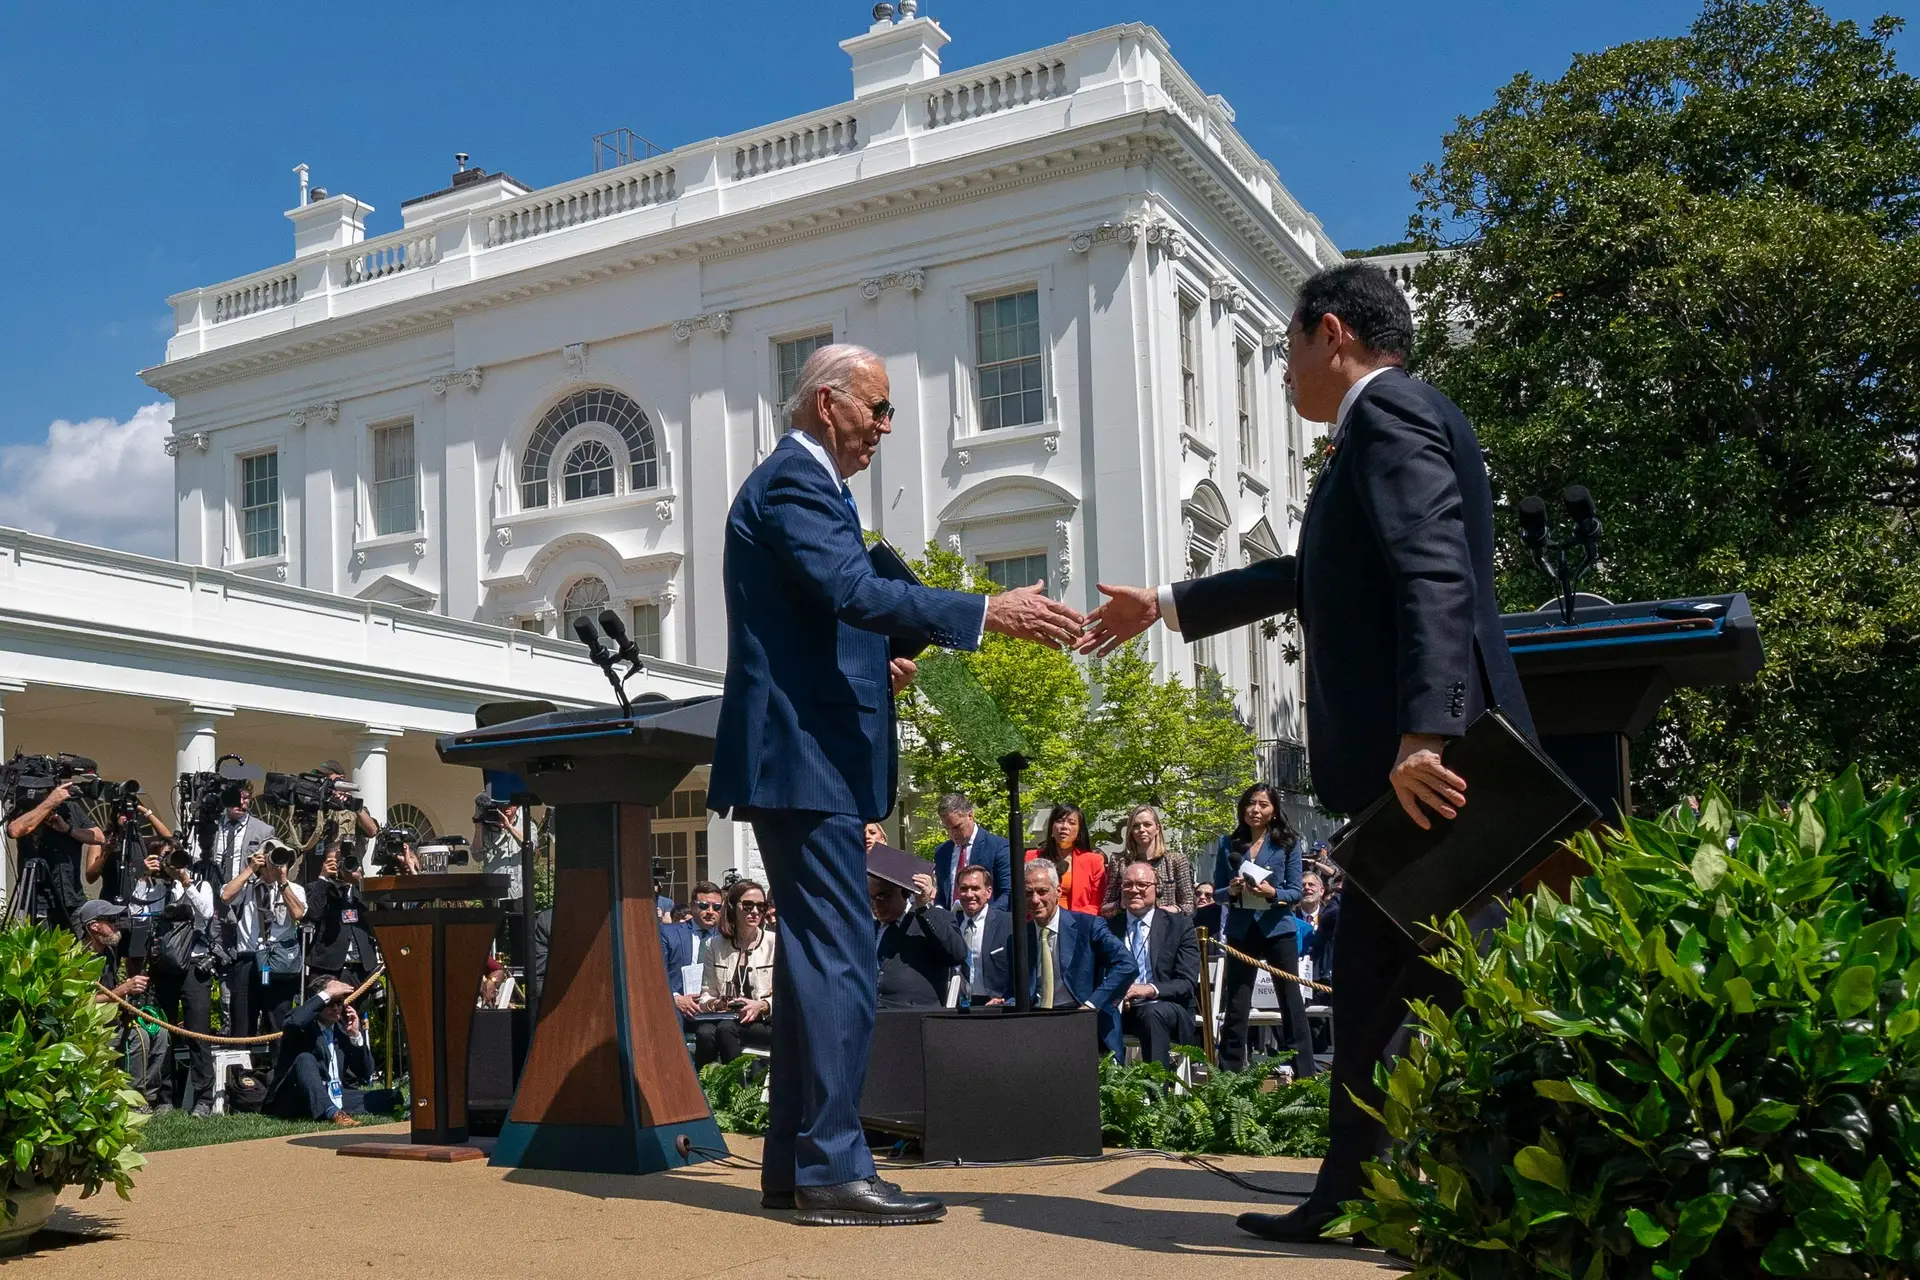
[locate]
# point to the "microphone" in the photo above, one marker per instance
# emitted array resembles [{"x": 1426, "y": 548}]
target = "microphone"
[
  {"x": 617, "y": 630},
  {"x": 583, "y": 627},
  {"x": 1586, "y": 525},
  {"x": 597, "y": 650},
  {"x": 1533, "y": 522}
]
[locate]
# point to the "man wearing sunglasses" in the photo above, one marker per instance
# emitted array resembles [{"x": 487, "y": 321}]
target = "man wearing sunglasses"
[{"x": 806, "y": 753}]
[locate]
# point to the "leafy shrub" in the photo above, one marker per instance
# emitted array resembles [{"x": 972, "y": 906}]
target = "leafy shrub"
[
  {"x": 66, "y": 1115},
  {"x": 733, "y": 1091},
  {"x": 1704, "y": 1061},
  {"x": 1239, "y": 1112}
]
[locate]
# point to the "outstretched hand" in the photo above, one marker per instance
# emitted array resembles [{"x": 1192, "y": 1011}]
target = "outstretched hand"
[
  {"x": 1127, "y": 612},
  {"x": 1419, "y": 778},
  {"x": 1025, "y": 613},
  {"x": 901, "y": 671}
]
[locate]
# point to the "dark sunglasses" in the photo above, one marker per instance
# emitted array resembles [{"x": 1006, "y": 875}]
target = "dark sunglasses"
[
  {"x": 753, "y": 906},
  {"x": 882, "y": 409},
  {"x": 706, "y": 906}
]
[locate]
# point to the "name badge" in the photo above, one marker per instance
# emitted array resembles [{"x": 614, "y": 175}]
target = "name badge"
[{"x": 350, "y": 916}]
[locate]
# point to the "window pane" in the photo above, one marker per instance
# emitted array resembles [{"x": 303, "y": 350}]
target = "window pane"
[
  {"x": 1018, "y": 571},
  {"x": 260, "y": 506},
  {"x": 395, "y": 501},
  {"x": 584, "y": 599},
  {"x": 588, "y": 472},
  {"x": 788, "y": 358},
  {"x": 646, "y": 629},
  {"x": 1007, "y": 339},
  {"x": 1243, "y": 396}
]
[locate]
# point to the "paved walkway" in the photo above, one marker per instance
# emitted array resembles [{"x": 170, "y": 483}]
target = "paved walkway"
[{"x": 291, "y": 1207}]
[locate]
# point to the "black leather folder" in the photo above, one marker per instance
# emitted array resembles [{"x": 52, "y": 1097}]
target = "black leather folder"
[
  {"x": 890, "y": 564},
  {"x": 1520, "y": 808}
]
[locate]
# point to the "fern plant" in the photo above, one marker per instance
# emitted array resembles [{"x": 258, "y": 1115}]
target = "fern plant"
[{"x": 1229, "y": 1112}]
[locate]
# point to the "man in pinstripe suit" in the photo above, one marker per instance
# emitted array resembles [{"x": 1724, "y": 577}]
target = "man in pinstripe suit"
[{"x": 806, "y": 753}]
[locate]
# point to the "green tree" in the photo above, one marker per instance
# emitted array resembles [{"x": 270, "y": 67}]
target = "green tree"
[
  {"x": 1104, "y": 735},
  {"x": 1690, "y": 269}
]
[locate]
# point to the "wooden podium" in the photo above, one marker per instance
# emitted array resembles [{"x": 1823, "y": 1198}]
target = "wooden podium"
[
  {"x": 435, "y": 955},
  {"x": 608, "y": 1086}
]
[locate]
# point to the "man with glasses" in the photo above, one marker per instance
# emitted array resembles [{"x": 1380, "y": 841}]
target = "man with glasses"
[
  {"x": 817, "y": 646},
  {"x": 1158, "y": 1009},
  {"x": 688, "y": 944},
  {"x": 322, "y": 1059}
]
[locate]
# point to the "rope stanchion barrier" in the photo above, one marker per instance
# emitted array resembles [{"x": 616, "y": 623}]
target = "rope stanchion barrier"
[
  {"x": 269, "y": 1038},
  {"x": 1275, "y": 970}
]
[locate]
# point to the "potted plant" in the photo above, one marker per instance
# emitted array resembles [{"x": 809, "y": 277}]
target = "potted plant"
[
  {"x": 1707, "y": 1062},
  {"x": 66, "y": 1113}
]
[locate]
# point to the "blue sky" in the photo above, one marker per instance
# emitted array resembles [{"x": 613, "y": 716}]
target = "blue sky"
[{"x": 148, "y": 147}]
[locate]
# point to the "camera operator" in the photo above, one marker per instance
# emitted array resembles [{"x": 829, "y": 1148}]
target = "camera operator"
[
  {"x": 130, "y": 828},
  {"x": 342, "y": 947},
  {"x": 268, "y": 908},
  {"x": 49, "y": 836},
  {"x": 238, "y": 841},
  {"x": 181, "y": 961},
  {"x": 498, "y": 839},
  {"x": 324, "y": 1049},
  {"x": 366, "y": 822},
  {"x": 100, "y": 926}
]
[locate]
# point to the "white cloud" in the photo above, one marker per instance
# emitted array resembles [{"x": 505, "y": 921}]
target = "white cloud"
[{"x": 103, "y": 482}]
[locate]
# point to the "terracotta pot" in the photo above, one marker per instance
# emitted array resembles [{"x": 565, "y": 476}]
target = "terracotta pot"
[{"x": 28, "y": 1209}]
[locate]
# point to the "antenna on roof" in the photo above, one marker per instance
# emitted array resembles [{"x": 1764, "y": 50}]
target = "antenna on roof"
[{"x": 621, "y": 146}]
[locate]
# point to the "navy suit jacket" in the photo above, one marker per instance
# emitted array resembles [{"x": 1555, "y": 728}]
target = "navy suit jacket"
[
  {"x": 996, "y": 955},
  {"x": 1393, "y": 581},
  {"x": 676, "y": 949},
  {"x": 1173, "y": 955},
  {"x": 807, "y": 719},
  {"x": 301, "y": 1034},
  {"x": 989, "y": 851},
  {"x": 1095, "y": 969},
  {"x": 1284, "y": 864}
]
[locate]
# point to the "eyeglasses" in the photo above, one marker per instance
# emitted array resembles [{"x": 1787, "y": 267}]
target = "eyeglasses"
[
  {"x": 881, "y": 409},
  {"x": 752, "y": 906},
  {"x": 1135, "y": 888},
  {"x": 706, "y": 906}
]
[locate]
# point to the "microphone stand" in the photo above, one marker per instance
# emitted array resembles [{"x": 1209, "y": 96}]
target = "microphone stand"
[
  {"x": 583, "y": 627},
  {"x": 1012, "y": 764}
]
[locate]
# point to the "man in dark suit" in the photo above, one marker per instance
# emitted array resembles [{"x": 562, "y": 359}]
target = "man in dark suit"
[
  {"x": 1393, "y": 585},
  {"x": 986, "y": 933},
  {"x": 1159, "y": 1007},
  {"x": 1077, "y": 962},
  {"x": 918, "y": 944},
  {"x": 806, "y": 752},
  {"x": 322, "y": 1054},
  {"x": 968, "y": 844}
]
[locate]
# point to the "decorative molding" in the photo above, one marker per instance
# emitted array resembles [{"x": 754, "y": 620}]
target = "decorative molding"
[
  {"x": 1125, "y": 231},
  {"x": 1228, "y": 292},
  {"x": 440, "y": 382},
  {"x": 913, "y": 279},
  {"x": 1051, "y": 442},
  {"x": 575, "y": 354},
  {"x": 419, "y": 548},
  {"x": 359, "y": 559},
  {"x": 1160, "y": 230},
  {"x": 280, "y": 572},
  {"x": 197, "y": 440},
  {"x": 668, "y": 594},
  {"x": 1274, "y": 337},
  {"x": 327, "y": 410},
  {"x": 1064, "y": 530},
  {"x": 953, "y": 543},
  {"x": 504, "y": 535},
  {"x": 663, "y": 510},
  {"x": 964, "y": 457},
  {"x": 712, "y": 321}
]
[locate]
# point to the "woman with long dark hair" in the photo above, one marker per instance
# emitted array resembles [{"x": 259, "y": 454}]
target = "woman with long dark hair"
[
  {"x": 1083, "y": 872},
  {"x": 1258, "y": 865},
  {"x": 737, "y": 980}
]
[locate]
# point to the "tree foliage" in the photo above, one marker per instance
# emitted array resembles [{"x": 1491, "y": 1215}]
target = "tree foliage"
[
  {"x": 1690, "y": 267},
  {"x": 1103, "y": 735}
]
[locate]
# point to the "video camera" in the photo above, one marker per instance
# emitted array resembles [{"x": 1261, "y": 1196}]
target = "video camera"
[
  {"x": 488, "y": 812},
  {"x": 388, "y": 846},
  {"x": 311, "y": 792},
  {"x": 200, "y": 798},
  {"x": 25, "y": 780}
]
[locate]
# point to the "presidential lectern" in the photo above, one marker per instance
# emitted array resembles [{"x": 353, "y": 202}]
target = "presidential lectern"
[{"x": 607, "y": 1086}]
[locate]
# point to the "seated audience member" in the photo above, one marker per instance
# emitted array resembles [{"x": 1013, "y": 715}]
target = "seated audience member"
[
  {"x": 322, "y": 1054},
  {"x": 986, "y": 931},
  {"x": 1208, "y": 914},
  {"x": 738, "y": 981},
  {"x": 496, "y": 986},
  {"x": 968, "y": 844},
  {"x": 1077, "y": 962},
  {"x": 1077, "y": 865},
  {"x": 145, "y": 1048},
  {"x": 1323, "y": 914},
  {"x": 918, "y": 944},
  {"x": 1159, "y": 1007}
]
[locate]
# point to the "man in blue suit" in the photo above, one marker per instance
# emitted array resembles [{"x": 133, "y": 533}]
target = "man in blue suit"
[
  {"x": 806, "y": 753},
  {"x": 968, "y": 844},
  {"x": 1077, "y": 962}
]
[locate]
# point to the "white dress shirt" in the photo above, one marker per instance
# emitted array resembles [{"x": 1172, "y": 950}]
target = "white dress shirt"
[
  {"x": 1143, "y": 955},
  {"x": 1168, "y": 613},
  {"x": 973, "y": 931}
]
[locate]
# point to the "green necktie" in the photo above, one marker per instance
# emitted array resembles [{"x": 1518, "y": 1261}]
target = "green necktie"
[{"x": 1046, "y": 972}]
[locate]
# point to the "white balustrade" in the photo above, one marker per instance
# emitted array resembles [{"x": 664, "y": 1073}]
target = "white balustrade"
[
  {"x": 996, "y": 88},
  {"x": 402, "y": 251},
  {"x": 811, "y": 140},
  {"x": 616, "y": 191},
  {"x": 248, "y": 297}
]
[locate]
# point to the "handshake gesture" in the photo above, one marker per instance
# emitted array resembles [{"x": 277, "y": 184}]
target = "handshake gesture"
[{"x": 1025, "y": 613}]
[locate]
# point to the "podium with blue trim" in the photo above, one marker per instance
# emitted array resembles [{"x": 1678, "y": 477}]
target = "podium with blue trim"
[{"x": 607, "y": 1086}]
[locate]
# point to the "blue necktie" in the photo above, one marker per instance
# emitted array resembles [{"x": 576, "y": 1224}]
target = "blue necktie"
[
  {"x": 1139, "y": 948},
  {"x": 852, "y": 506}
]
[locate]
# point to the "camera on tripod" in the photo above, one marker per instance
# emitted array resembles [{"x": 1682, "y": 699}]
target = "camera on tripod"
[
  {"x": 310, "y": 792},
  {"x": 25, "y": 780}
]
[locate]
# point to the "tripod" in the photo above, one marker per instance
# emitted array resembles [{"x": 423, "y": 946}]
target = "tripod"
[{"x": 26, "y": 886}]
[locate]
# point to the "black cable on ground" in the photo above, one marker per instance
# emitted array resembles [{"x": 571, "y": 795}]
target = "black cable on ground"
[{"x": 1124, "y": 1153}]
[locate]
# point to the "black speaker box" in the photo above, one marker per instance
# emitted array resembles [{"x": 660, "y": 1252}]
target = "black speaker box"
[
  {"x": 495, "y": 1049},
  {"x": 986, "y": 1086}
]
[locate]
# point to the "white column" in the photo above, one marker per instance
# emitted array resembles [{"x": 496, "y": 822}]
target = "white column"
[
  {"x": 370, "y": 768},
  {"x": 6, "y": 864},
  {"x": 195, "y": 747}
]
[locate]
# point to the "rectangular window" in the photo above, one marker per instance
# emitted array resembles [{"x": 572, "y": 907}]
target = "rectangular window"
[
  {"x": 1007, "y": 333},
  {"x": 646, "y": 629},
  {"x": 680, "y": 842},
  {"x": 788, "y": 358},
  {"x": 532, "y": 626},
  {"x": 1296, "y": 462},
  {"x": 1243, "y": 406},
  {"x": 1205, "y": 665},
  {"x": 1018, "y": 571},
  {"x": 1190, "y": 364},
  {"x": 396, "y": 489},
  {"x": 260, "y": 505},
  {"x": 1257, "y": 691}
]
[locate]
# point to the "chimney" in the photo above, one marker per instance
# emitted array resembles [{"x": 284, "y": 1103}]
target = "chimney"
[
  {"x": 891, "y": 54},
  {"x": 327, "y": 222}
]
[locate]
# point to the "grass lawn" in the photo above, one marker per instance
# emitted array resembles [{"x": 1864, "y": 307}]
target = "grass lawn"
[{"x": 177, "y": 1129}]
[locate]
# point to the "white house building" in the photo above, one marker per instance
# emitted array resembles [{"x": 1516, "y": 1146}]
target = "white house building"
[{"x": 524, "y": 404}]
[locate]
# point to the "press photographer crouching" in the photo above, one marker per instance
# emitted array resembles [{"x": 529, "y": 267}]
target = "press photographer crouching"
[
  {"x": 267, "y": 909},
  {"x": 49, "y": 828},
  {"x": 143, "y": 1045},
  {"x": 322, "y": 1058},
  {"x": 342, "y": 946}
]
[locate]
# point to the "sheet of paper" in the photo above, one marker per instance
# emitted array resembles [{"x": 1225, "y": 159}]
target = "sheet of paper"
[
  {"x": 1255, "y": 872},
  {"x": 690, "y": 976}
]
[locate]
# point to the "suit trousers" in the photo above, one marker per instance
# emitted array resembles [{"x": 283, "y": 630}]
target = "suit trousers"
[
  {"x": 825, "y": 987},
  {"x": 1380, "y": 970},
  {"x": 1282, "y": 951},
  {"x": 303, "y": 1095},
  {"x": 717, "y": 1040},
  {"x": 186, "y": 999},
  {"x": 1159, "y": 1025},
  {"x": 238, "y": 984}
]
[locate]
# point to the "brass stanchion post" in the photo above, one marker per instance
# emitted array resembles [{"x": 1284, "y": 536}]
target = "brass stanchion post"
[{"x": 1206, "y": 1001}]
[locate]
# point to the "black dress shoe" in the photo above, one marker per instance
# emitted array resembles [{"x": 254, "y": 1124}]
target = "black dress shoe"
[
  {"x": 1302, "y": 1225},
  {"x": 776, "y": 1199},
  {"x": 865, "y": 1202}
]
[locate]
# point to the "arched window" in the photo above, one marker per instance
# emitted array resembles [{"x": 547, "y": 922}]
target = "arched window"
[
  {"x": 599, "y": 405},
  {"x": 588, "y": 472},
  {"x": 412, "y": 815},
  {"x": 584, "y": 599}
]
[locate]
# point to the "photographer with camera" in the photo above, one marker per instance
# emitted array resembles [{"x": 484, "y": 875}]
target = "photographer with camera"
[
  {"x": 396, "y": 851},
  {"x": 101, "y": 925},
  {"x": 342, "y": 947},
  {"x": 498, "y": 839},
  {"x": 238, "y": 841},
  {"x": 117, "y": 862},
  {"x": 268, "y": 907},
  {"x": 49, "y": 834},
  {"x": 336, "y": 779},
  {"x": 324, "y": 1050},
  {"x": 182, "y": 958}
]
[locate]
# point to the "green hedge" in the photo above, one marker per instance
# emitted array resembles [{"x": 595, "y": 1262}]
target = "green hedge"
[{"x": 1704, "y": 1062}]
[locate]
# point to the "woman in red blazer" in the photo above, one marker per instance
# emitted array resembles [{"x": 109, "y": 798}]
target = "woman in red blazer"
[{"x": 1083, "y": 872}]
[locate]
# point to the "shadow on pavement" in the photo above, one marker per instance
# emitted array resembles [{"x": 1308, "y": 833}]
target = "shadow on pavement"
[{"x": 1190, "y": 1182}]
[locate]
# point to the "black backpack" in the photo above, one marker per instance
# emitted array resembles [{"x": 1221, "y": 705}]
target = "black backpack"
[{"x": 246, "y": 1089}]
